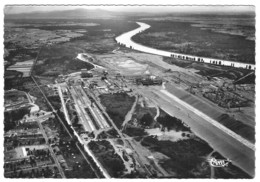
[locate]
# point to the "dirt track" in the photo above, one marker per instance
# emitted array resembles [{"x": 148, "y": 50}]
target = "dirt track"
[{"x": 240, "y": 154}]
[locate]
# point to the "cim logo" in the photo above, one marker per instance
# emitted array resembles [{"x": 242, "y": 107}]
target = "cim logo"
[{"x": 218, "y": 162}]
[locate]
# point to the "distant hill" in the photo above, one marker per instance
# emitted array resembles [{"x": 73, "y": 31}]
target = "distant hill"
[
  {"x": 81, "y": 13},
  {"x": 66, "y": 14}
]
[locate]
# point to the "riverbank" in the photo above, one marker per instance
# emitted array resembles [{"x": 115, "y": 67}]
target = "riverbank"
[{"x": 126, "y": 40}]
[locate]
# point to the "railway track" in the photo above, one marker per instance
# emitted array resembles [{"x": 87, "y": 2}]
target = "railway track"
[
  {"x": 126, "y": 142},
  {"x": 81, "y": 107},
  {"x": 51, "y": 150},
  {"x": 66, "y": 129}
]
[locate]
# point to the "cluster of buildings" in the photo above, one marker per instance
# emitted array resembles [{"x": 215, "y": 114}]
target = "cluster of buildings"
[
  {"x": 225, "y": 99},
  {"x": 149, "y": 80},
  {"x": 26, "y": 152}
]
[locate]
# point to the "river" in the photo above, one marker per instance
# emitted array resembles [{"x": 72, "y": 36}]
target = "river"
[
  {"x": 241, "y": 155},
  {"x": 126, "y": 40}
]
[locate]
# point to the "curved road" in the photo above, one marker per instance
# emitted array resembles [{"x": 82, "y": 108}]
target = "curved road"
[
  {"x": 126, "y": 40},
  {"x": 241, "y": 154},
  {"x": 234, "y": 147}
]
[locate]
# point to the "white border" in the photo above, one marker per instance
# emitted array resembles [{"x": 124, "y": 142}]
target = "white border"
[{"x": 134, "y": 2}]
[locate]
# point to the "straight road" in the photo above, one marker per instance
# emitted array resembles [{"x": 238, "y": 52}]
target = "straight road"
[
  {"x": 51, "y": 150},
  {"x": 241, "y": 155},
  {"x": 71, "y": 136},
  {"x": 126, "y": 142},
  {"x": 63, "y": 104},
  {"x": 35, "y": 61},
  {"x": 78, "y": 105},
  {"x": 93, "y": 109},
  {"x": 30, "y": 168},
  {"x": 86, "y": 121},
  {"x": 210, "y": 120}
]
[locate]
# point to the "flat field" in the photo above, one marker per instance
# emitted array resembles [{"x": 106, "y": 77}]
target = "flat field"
[{"x": 223, "y": 37}]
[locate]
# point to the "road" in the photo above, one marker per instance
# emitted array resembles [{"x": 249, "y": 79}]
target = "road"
[
  {"x": 129, "y": 114},
  {"x": 41, "y": 117},
  {"x": 81, "y": 57},
  {"x": 241, "y": 155},
  {"x": 126, "y": 142},
  {"x": 92, "y": 108},
  {"x": 126, "y": 39},
  {"x": 210, "y": 120},
  {"x": 44, "y": 134},
  {"x": 35, "y": 61},
  {"x": 71, "y": 136},
  {"x": 30, "y": 168},
  {"x": 85, "y": 120},
  {"x": 63, "y": 104},
  {"x": 212, "y": 169},
  {"x": 51, "y": 150}
]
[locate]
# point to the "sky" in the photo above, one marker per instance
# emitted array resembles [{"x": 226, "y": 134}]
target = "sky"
[{"x": 28, "y": 9}]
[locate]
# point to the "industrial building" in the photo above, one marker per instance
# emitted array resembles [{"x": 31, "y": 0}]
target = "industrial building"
[
  {"x": 86, "y": 74},
  {"x": 149, "y": 80}
]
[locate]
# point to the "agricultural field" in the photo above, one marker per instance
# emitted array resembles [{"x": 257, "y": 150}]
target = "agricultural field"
[
  {"x": 206, "y": 36},
  {"x": 59, "y": 43},
  {"x": 204, "y": 69},
  {"x": 97, "y": 109},
  {"x": 15, "y": 97},
  {"x": 23, "y": 67},
  {"x": 236, "y": 126}
]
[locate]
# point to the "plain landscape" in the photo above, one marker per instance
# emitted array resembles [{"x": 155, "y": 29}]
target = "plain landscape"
[{"x": 80, "y": 104}]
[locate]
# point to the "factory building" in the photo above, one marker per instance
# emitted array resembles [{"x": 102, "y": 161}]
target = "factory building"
[
  {"x": 86, "y": 74},
  {"x": 149, "y": 80}
]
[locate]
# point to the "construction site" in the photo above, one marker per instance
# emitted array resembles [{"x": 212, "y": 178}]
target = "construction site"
[
  {"x": 124, "y": 111},
  {"x": 89, "y": 107},
  {"x": 153, "y": 102}
]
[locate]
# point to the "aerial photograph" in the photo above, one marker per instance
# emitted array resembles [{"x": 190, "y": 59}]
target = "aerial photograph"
[{"x": 129, "y": 92}]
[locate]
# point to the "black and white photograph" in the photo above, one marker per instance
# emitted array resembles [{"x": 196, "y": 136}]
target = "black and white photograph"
[{"x": 129, "y": 91}]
